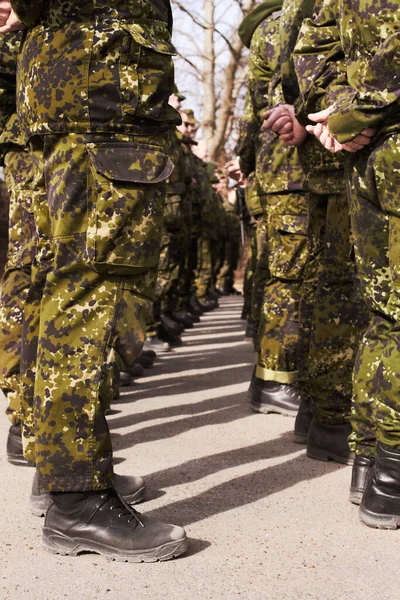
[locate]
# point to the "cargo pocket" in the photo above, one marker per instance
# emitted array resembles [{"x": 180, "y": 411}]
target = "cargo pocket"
[
  {"x": 147, "y": 70},
  {"x": 289, "y": 246},
  {"x": 125, "y": 205}
]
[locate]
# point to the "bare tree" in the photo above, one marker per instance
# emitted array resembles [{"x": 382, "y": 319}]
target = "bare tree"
[{"x": 214, "y": 62}]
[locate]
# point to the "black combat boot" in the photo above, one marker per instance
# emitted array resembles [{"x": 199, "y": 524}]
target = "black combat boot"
[
  {"x": 102, "y": 522},
  {"x": 145, "y": 361},
  {"x": 274, "y": 397},
  {"x": 15, "y": 453},
  {"x": 329, "y": 442},
  {"x": 169, "y": 326},
  {"x": 207, "y": 304},
  {"x": 194, "y": 307},
  {"x": 361, "y": 467},
  {"x": 250, "y": 332},
  {"x": 183, "y": 318},
  {"x": 131, "y": 488},
  {"x": 380, "y": 504},
  {"x": 303, "y": 422}
]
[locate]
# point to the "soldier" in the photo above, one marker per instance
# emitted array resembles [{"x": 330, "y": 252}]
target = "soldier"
[
  {"x": 361, "y": 115},
  {"x": 96, "y": 121},
  {"x": 333, "y": 318},
  {"x": 283, "y": 199}
]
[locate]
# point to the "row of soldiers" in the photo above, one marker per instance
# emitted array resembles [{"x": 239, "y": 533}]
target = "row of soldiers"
[
  {"x": 120, "y": 235},
  {"x": 318, "y": 146}
]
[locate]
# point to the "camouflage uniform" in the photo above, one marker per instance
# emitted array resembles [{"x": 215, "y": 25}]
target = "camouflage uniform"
[
  {"x": 21, "y": 180},
  {"x": 93, "y": 91},
  {"x": 254, "y": 210},
  {"x": 280, "y": 182},
  {"x": 231, "y": 251},
  {"x": 207, "y": 233},
  {"x": 176, "y": 233},
  {"x": 332, "y": 316},
  {"x": 367, "y": 95}
]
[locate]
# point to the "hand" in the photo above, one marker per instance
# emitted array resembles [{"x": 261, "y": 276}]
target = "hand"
[
  {"x": 322, "y": 133},
  {"x": 361, "y": 140},
  {"x": 282, "y": 121},
  {"x": 8, "y": 20},
  {"x": 278, "y": 119},
  {"x": 233, "y": 169}
]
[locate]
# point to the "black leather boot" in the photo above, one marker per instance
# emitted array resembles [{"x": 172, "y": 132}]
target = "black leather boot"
[
  {"x": 103, "y": 523},
  {"x": 183, "y": 318},
  {"x": 361, "y": 467},
  {"x": 131, "y": 488},
  {"x": 274, "y": 397},
  {"x": 15, "y": 453},
  {"x": 169, "y": 326},
  {"x": 380, "y": 504},
  {"x": 194, "y": 307},
  {"x": 329, "y": 442},
  {"x": 303, "y": 422}
]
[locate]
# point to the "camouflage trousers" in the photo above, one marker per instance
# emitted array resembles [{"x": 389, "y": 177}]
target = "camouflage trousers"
[
  {"x": 98, "y": 220},
  {"x": 333, "y": 317},
  {"x": 261, "y": 273},
  {"x": 250, "y": 269},
  {"x": 226, "y": 275},
  {"x": 204, "y": 268},
  {"x": 173, "y": 251},
  {"x": 284, "y": 256},
  {"x": 375, "y": 214},
  {"x": 22, "y": 182}
]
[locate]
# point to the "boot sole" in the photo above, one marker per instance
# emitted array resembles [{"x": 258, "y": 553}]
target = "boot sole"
[
  {"x": 39, "y": 510},
  {"x": 57, "y": 543},
  {"x": 378, "y": 521},
  {"x": 272, "y": 408},
  {"x": 20, "y": 461},
  {"x": 355, "y": 497},
  {"x": 326, "y": 455},
  {"x": 300, "y": 438}
]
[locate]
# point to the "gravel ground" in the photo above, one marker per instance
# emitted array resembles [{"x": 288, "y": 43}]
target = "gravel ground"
[{"x": 264, "y": 522}]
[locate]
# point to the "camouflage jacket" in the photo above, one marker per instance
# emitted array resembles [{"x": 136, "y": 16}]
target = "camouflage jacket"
[
  {"x": 349, "y": 53},
  {"x": 94, "y": 67},
  {"x": 277, "y": 166},
  {"x": 324, "y": 171},
  {"x": 248, "y": 131}
]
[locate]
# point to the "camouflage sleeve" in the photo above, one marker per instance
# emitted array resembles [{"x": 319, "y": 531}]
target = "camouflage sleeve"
[
  {"x": 28, "y": 12},
  {"x": 248, "y": 128},
  {"x": 292, "y": 16},
  {"x": 319, "y": 61},
  {"x": 370, "y": 33}
]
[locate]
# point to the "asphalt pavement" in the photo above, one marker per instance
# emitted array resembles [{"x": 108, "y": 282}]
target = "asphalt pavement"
[{"x": 264, "y": 521}]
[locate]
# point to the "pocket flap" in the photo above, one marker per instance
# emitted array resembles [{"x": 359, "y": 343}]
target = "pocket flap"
[
  {"x": 154, "y": 35},
  {"x": 138, "y": 163},
  {"x": 291, "y": 223}
]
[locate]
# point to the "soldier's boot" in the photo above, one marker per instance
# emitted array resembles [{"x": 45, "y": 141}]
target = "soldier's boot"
[
  {"x": 361, "y": 467},
  {"x": 303, "y": 422},
  {"x": 174, "y": 341},
  {"x": 206, "y": 304},
  {"x": 149, "y": 352},
  {"x": 169, "y": 326},
  {"x": 183, "y": 318},
  {"x": 380, "y": 504},
  {"x": 145, "y": 361},
  {"x": 273, "y": 397},
  {"x": 131, "y": 488},
  {"x": 194, "y": 307},
  {"x": 102, "y": 522},
  {"x": 329, "y": 442},
  {"x": 15, "y": 453}
]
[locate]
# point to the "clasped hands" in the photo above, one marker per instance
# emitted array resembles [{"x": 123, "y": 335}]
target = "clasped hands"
[
  {"x": 282, "y": 121},
  {"x": 8, "y": 19}
]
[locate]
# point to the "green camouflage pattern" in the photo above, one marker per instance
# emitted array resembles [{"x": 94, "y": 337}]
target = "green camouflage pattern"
[
  {"x": 22, "y": 182},
  {"x": 332, "y": 315},
  {"x": 10, "y": 44},
  {"x": 113, "y": 77},
  {"x": 286, "y": 253},
  {"x": 99, "y": 234}
]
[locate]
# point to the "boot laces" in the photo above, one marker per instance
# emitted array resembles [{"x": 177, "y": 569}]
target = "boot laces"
[{"x": 116, "y": 502}]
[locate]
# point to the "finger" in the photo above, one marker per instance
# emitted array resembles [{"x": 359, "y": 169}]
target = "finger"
[
  {"x": 273, "y": 115},
  {"x": 282, "y": 122},
  {"x": 320, "y": 116},
  {"x": 369, "y": 131},
  {"x": 286, "y": 136},
  {"x": 361, "y": 139},
  {"x": 310, "y": 129}
]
